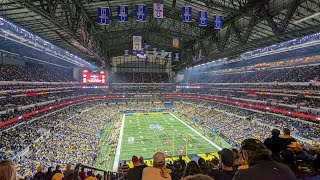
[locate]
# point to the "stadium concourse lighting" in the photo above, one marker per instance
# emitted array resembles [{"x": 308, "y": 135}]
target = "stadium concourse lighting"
[
  {"x": 23, "y": 37},
  {"x": 34, "y": 59},
  {"x": 294, "y": 44}
]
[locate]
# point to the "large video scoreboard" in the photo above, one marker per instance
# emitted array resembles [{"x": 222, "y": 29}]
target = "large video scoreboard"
[{"x": 94, "y": 76}]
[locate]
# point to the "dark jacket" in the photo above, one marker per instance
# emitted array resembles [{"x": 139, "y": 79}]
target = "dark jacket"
[
  {"x": 275, "y": 145},
  {"x": 135, "y": 173},
  {"x": 39, "y": 176},
  {"x": 49, "y": 175},
  {"x": 224, "y": 175},
  {"x": 266, "y": 170},
  {"x": 176, "y": 174},
  {"x": 287, "y": 139}
]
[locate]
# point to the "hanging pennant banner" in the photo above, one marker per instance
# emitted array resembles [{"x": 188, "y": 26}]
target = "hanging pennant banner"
[
  {"x": 126, "y": 52},
  {"x": 137, "y": 43},
  {"x": 175, "y": 42},
  {"x": 157, "y": 10},
  {"x": 203, "y": 18},
  {"x": 123, "y": 13},
  {"x": 141, "y": 12},
  {"x": 103, "y": 15},
  {"x": 169, "y": 55},
  {"x": 176, "y": 58},
  {"x": 217, "y": 22},
  {"x": 187, "y": 14}
]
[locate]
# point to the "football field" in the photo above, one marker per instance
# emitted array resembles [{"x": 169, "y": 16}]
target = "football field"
[{"x": 143, "y": 135}]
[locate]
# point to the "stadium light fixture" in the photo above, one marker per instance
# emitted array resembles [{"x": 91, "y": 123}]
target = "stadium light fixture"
[
  {"x": 44, "y": 62},
  {"x": 21, "y": 36}
]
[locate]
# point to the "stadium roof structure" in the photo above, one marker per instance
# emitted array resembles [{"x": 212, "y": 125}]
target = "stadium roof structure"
[{"x": 247, "y": 25}]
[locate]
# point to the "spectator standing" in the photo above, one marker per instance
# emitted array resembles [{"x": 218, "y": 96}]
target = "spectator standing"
[
  {"x": 90, "y": 176},
  {"x": 202, "y": 165},
  {"x": 135, "y": 173},
  {"x": 214, "y": 165},
  {"x": 191, "y": 169},
  {"x": 226, "y": 161},
  {"x": 287, "y": 138},
  {"x": 303, "y": 165},
  {"x": 239, "y": 162},
  {"x": 49, "y": 173},
  {"x": 7, "y": 170},
  {"x": 157, "y": 172},
  {"x": 177, "y": 171},
  {"x": 68, "y": 170},
  {"x": 182, "y": 162},
  {"x": 57, "y": 170},
  {"x": 262, "y": 167},
  {"x": 82, "y": 174},
  {"x": 299, "y": 153},
  {"x": 141, "y": 160},
  {"x": 57, "y": 174},
  {"x": 39, "y": 174},
  {"x": 125, "y": 167},
  {"x": 275, "y": 144}
]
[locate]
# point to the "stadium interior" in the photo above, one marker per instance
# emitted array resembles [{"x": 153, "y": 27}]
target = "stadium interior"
[{"x": 160, "y": 90}]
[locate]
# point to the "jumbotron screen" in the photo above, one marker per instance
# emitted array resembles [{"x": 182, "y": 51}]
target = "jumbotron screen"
[{"x": 94, "y": 77}]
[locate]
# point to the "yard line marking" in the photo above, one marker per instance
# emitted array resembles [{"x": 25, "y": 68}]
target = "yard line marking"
[
  {"x": 117, "y": 156},
  {"x": 213, "y": 144}
]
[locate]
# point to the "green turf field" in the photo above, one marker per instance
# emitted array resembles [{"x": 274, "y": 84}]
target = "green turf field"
[{"x": 145, "y": 134}]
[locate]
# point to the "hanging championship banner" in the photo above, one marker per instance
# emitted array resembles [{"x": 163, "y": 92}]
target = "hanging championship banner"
[
  {"x": 141, "y": 12},
  {"x": 187, "y": 14},
  {"x": 123, "y": 13},
  {"x": 103, "y": 15},
  {"x": 203, "y": 18},
  {"x": 137, "y": 43},
  {"x": 175, "y": 42},
  {"x": 217, "y": 22},
  {"x": 157, "y": 10}
]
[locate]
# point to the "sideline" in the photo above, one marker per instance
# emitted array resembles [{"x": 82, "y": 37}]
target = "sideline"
[
  {"x": 117, "y": 156},
  {"x": 210, "y": 142}
]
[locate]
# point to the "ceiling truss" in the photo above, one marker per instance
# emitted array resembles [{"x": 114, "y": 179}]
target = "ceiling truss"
[{"x": 248, "y": 24}]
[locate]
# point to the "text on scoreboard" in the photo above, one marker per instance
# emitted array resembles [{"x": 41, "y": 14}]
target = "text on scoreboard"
[{"x": 94, "y": 77}]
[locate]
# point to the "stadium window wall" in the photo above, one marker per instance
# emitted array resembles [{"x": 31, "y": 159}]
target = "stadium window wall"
[{"x": 151, "y": 64}]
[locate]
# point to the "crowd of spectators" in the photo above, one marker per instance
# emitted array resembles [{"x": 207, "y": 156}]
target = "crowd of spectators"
[
  {"x": 26, "y": 100},
  {"x": 10, "y": 106},
  {"x": 281, "y": 98},
  {"x": 75, "y": 140},
  {"x": 14, "y": 139},
  {"x": 292, "y": 74},
  {"x": 245, "y": 123},
  {"x": 63, "y": 140},
  {"x": 27, "y": 73}
]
